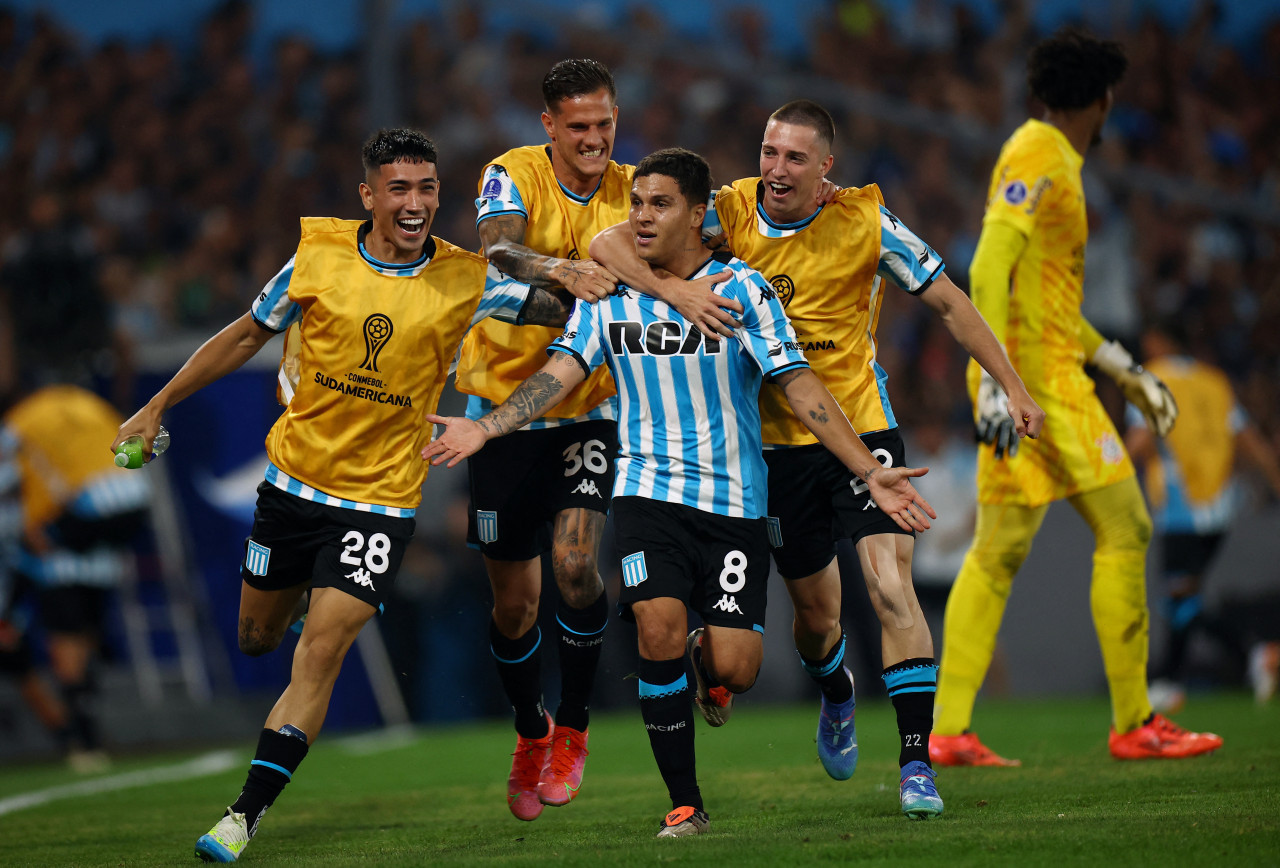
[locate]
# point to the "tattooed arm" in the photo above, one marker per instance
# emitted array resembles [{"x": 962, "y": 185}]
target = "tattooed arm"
[
  {"x": 538, "y": 394},
  {"x": 547, "y": 306},
  {"x": 891, "y": 487},
  {"x": 503, "y": 240}
]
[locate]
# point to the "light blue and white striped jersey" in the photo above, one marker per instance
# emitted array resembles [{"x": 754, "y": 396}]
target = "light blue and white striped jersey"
[{"x": 688, "y": 421}]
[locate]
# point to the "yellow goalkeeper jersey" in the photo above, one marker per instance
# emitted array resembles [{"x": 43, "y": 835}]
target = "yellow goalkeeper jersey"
[
  {"x": 1036, "y": 189},
  {"x": 373, "y": 343},
  {"x": 496, "y": 358},
  {"x": 829, "y": 270}
]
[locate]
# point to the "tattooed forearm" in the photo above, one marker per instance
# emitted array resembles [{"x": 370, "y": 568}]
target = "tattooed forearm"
[
  {"x": 786, "y": 378},
  {"x": 503, "y": 240},
  {"x": 819, "y": 414},
  {"x": 549, "y": 307},
  {"x": 530, "y": 400}
]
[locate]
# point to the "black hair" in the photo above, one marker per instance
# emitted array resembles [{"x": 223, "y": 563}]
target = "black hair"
[
  {"x": 807, "y": 113},
  {"x": 576, "y": 77},
  {"x": 690, "y": 172},
  {"x": 395, "y": 146},
  {"x": 1073, "y": 69}
]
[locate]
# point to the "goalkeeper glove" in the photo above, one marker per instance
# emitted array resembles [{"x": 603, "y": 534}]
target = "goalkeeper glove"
[
  {"x": 1141, "y": 388},
  {"x": 992, "y": 423}
]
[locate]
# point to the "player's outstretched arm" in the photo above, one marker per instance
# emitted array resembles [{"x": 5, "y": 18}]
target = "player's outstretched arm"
[
  {"x": 891, "y": 487},
  {"x": 547, "y": 306},
  {"x": 220, "y": 355},
  {"x": 503, "y": 240},
  {"x": 714, "y": 315},
  {"x": 538, "y": 394},
  {"x": 973, "y": 333}
]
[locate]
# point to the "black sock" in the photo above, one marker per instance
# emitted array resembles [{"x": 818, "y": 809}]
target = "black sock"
[
  {"x": 667, "y": 710},
  {"x": 278, "y": 757},
  {"x": 520, "y": 668},
  {"x": 912, "y": 685},
  {"x": 581, "y": 640},
  {"x": 82, "y": 728},
  {"x": 828, "y": 673}
]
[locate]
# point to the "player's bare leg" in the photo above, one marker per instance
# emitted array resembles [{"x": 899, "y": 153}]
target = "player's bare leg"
[{"x": 265, "y": 616}]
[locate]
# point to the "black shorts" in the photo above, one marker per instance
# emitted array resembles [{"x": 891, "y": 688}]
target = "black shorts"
[
  {"x": 814, "y": 501},
  {"x": 296, "y": 541},
  {"x": 519, "y": 482},
  {"x": 718, "y": 566},
  {"x": 1188, "y": 554},
  {"x": 74, "y": 608}
]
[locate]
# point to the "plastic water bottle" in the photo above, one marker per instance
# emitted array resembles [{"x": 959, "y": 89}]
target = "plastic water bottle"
[{"x": 131, "y": 453}]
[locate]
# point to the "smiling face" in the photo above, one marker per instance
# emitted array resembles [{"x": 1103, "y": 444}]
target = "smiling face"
[
  {"x": 581, "y": 130},
  {"x": 665, "y": 228},
  {"x": 793, "y": 162},
  {"x": 403, "y": 198}
]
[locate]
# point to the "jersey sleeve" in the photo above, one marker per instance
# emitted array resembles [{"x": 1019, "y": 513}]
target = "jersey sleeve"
[
  {"x": 711, "y": 225},
  {"x": 503, "y": 298},
  {"x": 904, "y": 258},
  {"x": 499, "y": 195},
  {"x": 583, "y": 336},
  {"x": 1023, "y": 180},
  {"x": 766, "y": 333},
  {"x": 273, "y": 309}
]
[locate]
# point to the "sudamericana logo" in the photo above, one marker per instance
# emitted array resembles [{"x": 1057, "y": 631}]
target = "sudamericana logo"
[{"x": 377, "y": 331}]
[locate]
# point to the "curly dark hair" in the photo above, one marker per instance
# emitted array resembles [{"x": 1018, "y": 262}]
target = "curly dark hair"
[
  {"x": 576, "y": 77},
  {"x": 394, "y": 146},
  {"x": 1073, "y": 69},
  {"x": 690, "y": 172}
]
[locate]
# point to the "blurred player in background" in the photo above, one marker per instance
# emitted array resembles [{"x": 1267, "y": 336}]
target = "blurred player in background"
[
  {"x": 829, "y": 264},
  {"x": 1026, "y": 279},
  {"x": 690, "y": 495},
  {"x": 1194, "y": 499},
  {"x": 548, "y": 487},
  {"x": 381, "y": 307},
  {"x": 79, "y": 515}
]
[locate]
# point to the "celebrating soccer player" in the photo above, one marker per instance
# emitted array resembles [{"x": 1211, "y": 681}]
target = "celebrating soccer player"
[
  {"x": 690, "y": 494},
  {"x": 380, "y": 306}
]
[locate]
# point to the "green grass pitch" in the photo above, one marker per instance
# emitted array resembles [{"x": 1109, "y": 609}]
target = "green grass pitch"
[{"x": 437, "y": 796}]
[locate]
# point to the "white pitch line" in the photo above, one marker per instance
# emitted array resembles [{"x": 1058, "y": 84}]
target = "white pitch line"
[{"x": 202, "y": 766}]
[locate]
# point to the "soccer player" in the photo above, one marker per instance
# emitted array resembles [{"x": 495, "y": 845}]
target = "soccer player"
[
  {"x": 830, "y": 265},
  {"x": 549, "y": 486},
  {"x": 381, "y": 307},
  {"x": 689, "y": 500},
  {"x": 1026, "y": 279},
  {"x": 78, "y": 515},
  {"x": 1188, "y": 478}
]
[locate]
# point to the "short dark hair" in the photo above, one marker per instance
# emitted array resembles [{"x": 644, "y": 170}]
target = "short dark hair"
[
  {"x": 395, "y": 146},
  {"x": 807, "y": 113},
  {"x": 576, "y": 77},
  {"x": 690, "y": 172},
  {"x": 1073, "y": 69}
]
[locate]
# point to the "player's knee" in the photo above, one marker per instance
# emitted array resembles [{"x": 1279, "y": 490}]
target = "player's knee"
[
  {"x": 255, "y": 641},
  {"x": 319, "y": 654},
  {"x": 816, "y": 621},
  {"x": 515, "y": 615},
  {"x": 577, "y": 575}
]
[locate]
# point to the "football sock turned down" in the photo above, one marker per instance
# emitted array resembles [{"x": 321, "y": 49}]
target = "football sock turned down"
[
  {"x": 828, "y": 673},
  {"x": 667, "y": 709},
  {"x": 520, "y": 668},
  {"x": 912, "y": 685},
  {"x": 279, "y": 754},
  {"x": 581, "y": 640}
]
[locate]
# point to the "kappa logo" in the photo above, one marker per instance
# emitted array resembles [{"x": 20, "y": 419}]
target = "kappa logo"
[
  {"x": 377, "y": 331},
  {"x": 362, "y": 577},
  {"x": 767, "y": 293},
  {"x": 727, "y": 603},
  {"x": 587, "y": 486}
]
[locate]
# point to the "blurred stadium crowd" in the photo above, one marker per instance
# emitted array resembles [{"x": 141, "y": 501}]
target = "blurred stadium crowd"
[
  {"x": 151, "y": 189},
  {"x": 167, "y": 186}
]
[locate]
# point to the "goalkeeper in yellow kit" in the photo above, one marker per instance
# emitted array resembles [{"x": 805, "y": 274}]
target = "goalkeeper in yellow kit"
[{"x": 1026, "y": 280}]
